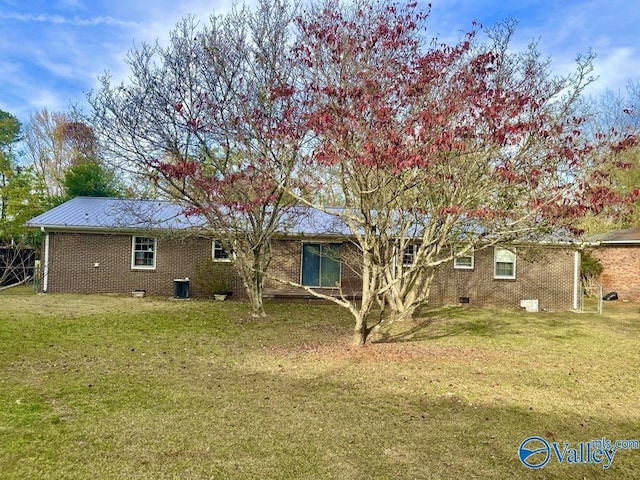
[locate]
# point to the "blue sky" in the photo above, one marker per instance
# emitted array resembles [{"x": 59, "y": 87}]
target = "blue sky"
[{"x": 52, "y": 51}]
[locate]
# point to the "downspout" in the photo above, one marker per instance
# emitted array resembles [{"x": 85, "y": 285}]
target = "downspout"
[
  {"x": 45, "y": 272},
  {"x": 576, "y": 279}
]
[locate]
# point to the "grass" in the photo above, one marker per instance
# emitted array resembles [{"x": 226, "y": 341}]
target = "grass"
[
  {"x": 111, "y": 387},
  {"x": 19, "y": 290}
]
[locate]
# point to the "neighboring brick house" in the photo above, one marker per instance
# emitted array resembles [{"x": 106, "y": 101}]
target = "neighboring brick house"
[
  {"x": 103, "y": 245},
  {"x": 619, "y": 253}
]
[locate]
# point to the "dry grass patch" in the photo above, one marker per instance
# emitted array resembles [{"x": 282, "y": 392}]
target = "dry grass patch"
[{"x": 114, "y": 387}]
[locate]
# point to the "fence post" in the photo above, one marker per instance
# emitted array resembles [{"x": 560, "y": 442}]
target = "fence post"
[
  {"x": 600, "y": 299},
  {"x": 36, "y": 277}
]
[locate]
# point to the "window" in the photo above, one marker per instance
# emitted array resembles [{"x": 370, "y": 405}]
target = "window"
[
  {"x": 218, "y": 252},
  {"x": 321, "y": 264},
  {"x": 504, "y": 263},
  {"x": 463, "y": 262},
  {"x": 409, "y": 256},
  {"x": 143, "y": 255}
]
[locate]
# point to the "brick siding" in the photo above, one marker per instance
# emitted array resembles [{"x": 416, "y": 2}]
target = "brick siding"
[
  {"x": 548, "y": 279},
  {"x": 73, "y": 256},
  {"x": 621, "y": 272}
]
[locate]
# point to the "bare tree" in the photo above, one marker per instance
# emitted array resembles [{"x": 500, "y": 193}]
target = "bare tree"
[
  {"x": 48, "y": 149},
  {"x": 212, "y": 121},
  {"x": 18, "y": 195},
  {"x": 16, "y": 264}
]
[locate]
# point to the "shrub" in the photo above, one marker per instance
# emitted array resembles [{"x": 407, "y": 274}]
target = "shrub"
[
  {"x": 214, "y": 278},
  {"x": 590, "y": 269}
]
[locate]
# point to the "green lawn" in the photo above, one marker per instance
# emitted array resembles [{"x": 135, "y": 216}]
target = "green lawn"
[{"x": 108, "y": 387}]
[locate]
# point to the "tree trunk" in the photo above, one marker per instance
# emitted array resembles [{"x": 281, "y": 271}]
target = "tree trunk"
[
  {"x": 253, "y": 286},
  {"x": 254, "y": 291},
  {"x": 399, "y": 304},
  {"x": 394, "y": 314},
  {"x": 360, "y": 331},
  {"x": 402, "y": 301},
  {"x": 369, "y": 283},
  {"x": 257, "y": 307},
  {"x": 252, "y": 264}
]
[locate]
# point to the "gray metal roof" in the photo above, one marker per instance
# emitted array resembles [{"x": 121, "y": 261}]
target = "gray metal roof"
[
  {"x": 310, "y": 222},
  {"x": 102, "y": 213},
  {"x": 108, "y": 214},
  {"x": 628, "y": 236},
  {"x": 113, "y": 214}
]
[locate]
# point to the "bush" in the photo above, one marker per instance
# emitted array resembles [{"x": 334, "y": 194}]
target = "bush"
[
  {"x": 590, "y": 269},
  {"x": 214, "y": 278}
]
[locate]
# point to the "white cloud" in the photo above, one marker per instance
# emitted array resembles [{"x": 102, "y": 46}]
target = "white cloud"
[
  {"x": 71, "y": 5},
  {"x": 158, "y": 23},
  {"x": 157, "y": 27},
  {"x": 47, "y": 98},
  {"x": 53, "y": 51},
  {"x": 615, "y": 70},
  {"x": 62, "y": 20}
]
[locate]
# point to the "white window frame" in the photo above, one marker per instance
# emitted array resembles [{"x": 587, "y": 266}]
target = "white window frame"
[
  {"x": 410, "y": 250},
  {"x": 133, "y": 253},
  {"x": 460, "y": 266},
  {"x": 231, "y": 256},
  {"x": 500, "y": 253}
]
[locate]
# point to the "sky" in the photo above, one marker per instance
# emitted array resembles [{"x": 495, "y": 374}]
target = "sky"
[{"x": 52, "y": 52}]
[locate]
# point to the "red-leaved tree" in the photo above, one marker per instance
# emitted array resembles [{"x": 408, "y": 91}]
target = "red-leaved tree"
[{"x": 437, "y": 150}]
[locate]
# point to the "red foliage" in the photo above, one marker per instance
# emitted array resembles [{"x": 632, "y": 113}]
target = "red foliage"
[
  {"x": 242, "y": 190},
  {"x": 383, "y": 102},
  {"x": 401, "y": 106}
]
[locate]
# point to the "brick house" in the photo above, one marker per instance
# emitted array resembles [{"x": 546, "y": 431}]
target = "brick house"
[
  {"x": 619, "y": 253},
  {"x": 104, "y": 245},
  {"x": 101, "y": 245}
]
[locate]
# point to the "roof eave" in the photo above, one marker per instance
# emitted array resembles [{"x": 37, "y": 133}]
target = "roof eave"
[
  {"x": 109, "y": 230},
  {"x": 620, "y": 242}
]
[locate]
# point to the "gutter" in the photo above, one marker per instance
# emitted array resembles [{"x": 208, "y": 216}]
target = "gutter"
[
  {"x": 119, "y": 230},
  {"x": 619, "y": 242},
  {"x": 577, "y": 257},
  {"x": 45, "y": 272}
]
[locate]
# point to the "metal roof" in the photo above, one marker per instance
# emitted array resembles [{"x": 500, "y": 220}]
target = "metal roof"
[
  {"x": 118, "y": 214},
  {"x": 103, "y": 213},
  {"x": 108, "y": 214},
  {"x": 310, "y": 222},
  {"x": 629, "y": 235}
]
